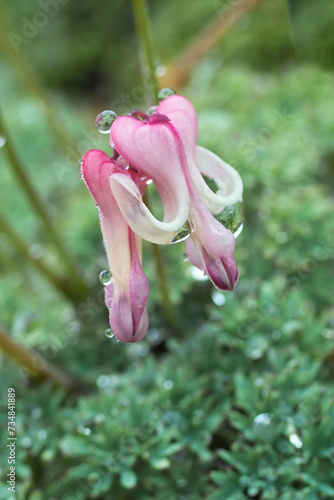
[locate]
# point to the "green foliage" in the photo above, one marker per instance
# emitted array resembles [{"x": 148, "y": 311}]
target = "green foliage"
[{"x": 241, "y": 404}]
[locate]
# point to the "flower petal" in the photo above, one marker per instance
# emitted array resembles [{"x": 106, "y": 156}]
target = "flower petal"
[
  {"x": 138, "y": 216},
  {"x": 226, "y": 177},
  {"x": 215, "y": 247},
  {"x": 151, "y": 148},
  {"x": 127, "y": 295}
]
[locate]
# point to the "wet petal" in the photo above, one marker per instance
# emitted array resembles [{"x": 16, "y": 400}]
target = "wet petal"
[
  {"x": 138, "y": 216},
  {"x": 151, "y": 148},
  {"x": 215, "y": 246},
  {"x": 127, "y": 295}
]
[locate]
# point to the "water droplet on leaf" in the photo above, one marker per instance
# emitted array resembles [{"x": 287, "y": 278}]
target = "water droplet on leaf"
[
  {"x": 164, "y": 93},
  {"x": 105, "y": 277},
  {"x": 232, "y": 217},
  {"x": 184, "y": 256},
  {"x": 263, "y": 426},
  {"x": 105, "y": 120},
  {"x": 2, "y": 141}
]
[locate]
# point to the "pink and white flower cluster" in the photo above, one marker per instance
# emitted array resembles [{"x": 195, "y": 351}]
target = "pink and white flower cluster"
[{"x": 162, "y": 148}]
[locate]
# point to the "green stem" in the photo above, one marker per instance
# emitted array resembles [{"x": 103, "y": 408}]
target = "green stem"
[
  {"x": 37, "y": 365},
  {"x": 21, "y": 174},
  {"x": 143, "y": 28},
  {"x": 19, "y": 244},
  {"x": 33, "y": 84},
  {"x": 144, "y": 33}
]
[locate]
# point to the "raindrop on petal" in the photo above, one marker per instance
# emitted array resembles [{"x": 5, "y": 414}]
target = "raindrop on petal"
[
  {"x": 105, "y": 277},
  {"x": 164, "y": 93},
  {"x": 232, "y": 217},
  {"x": 151, "y": 110},
  {"x": 105, "y": 120},
  {"x": 182, "y": 234}
]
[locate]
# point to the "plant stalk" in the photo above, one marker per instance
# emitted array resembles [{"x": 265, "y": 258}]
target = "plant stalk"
[
  {"x": 38, "y": 366},
  {"x": 145, "y": 38},
  {"x": 37, "y": 204},
  {"x": 33, "y": 84},
  {"x": 60, "y": 283}
]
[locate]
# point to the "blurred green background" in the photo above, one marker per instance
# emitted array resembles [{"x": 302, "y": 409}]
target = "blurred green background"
[{"x": 240, "y": 403}]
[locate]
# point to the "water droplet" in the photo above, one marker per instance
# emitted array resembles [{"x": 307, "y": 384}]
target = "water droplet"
[
  {"x": 105, "y": 277},
  {"x": 197, "y": 274},
  {"x": 109, "y": 333},
  {"x": 182, "y": 234},
  {"x": 168, "y": 384},
  {"x": 184, "y": 256},
  {"x": 256, "y": 347},
  {"x": 87, "y": 431},
  {"x": 149, "y": 181},
  {"x": 295, "y": 441},
  {"x": 151, "y": 110},
  {"x": 218, "y": 298},
  {"x": 96, "y": 205},
  {"x": 42, "y": 434},
  {"x": 263, "y": 426},
  {"x": 161, "y": 71},
  {"x": 105, "y": 120},
  {"x": 2, "y": 141},
  {"x": 122, "y": 163},
  {"x": 232, "y": 217},
  {"x": 112, "y": 145},
  {"x": 164, "y": 93}
]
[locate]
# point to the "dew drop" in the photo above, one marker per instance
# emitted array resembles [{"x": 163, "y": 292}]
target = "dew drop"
[
  {"x": 182, "y": 234},
  {"x": 105, "y": 277},
  {"x": 164, "y": 93},
  {"x": 232, "y": 217},
  {"x": 105, "y": 120},
  {"x": 122, "y": 163},
  {"x": 2, "y": 141},
  {"x": 184, "y": 257},
  {"x": 109, "y": 333},
  {"x": 263, "y": 426},
  {"x": 218, "y": 298},
  {"x": 151, "y": 110}
]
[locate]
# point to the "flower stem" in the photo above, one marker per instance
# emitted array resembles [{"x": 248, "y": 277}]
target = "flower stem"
[
  {"x": 37, "y": 365},
  {"x": 37, "y": 204},
  {"x": 33, "y": 84},
  {"x": 144, "y": 33},
  {"x": 60, "y": 283}
]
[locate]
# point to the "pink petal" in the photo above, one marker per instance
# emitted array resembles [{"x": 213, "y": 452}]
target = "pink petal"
[
  {"x": 152, "y": 150},
  {"x": 127, "y": 295}
]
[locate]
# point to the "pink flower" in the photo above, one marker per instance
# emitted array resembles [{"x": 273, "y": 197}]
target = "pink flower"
[
  {"x": 163, "y": 147},
  {"x": 127, "y": 294}
]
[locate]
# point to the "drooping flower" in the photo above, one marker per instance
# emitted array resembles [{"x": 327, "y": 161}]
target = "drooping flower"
[
  {"x": 159, "y": 148},
  {"x": 163, "y": 146},
  {"x": 127, "y": 292}
]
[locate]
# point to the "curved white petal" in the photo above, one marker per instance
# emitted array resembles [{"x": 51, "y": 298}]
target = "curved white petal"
[
  {"x": 139, "y": 217},
  {"x": 226, "y": 177}
]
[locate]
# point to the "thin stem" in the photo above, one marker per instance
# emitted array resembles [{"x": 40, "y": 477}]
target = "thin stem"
[
  {"x": 143, "y": 28},
  {"x": 19, "y": 244},
  {"x": 37, "y": 204},
  {"x": 33, "y": 84},
  {"x": 38, "y": 366},
  {"x": 144, "y": 33}
]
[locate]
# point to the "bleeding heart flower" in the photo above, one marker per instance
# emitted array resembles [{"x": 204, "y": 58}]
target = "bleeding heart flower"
[
  {"x": 163, "y": 147},
  {"x": 127, "y": 293},
  {"x": 159, "y": 148}
]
